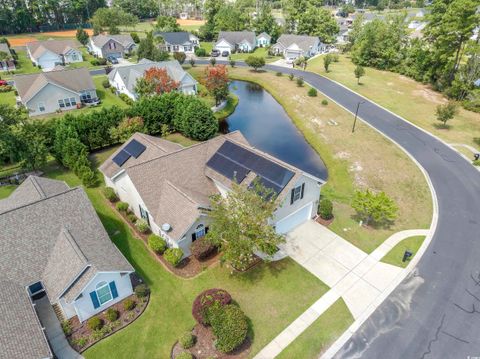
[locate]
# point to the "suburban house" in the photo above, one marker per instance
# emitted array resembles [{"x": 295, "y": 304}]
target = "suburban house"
[
  {"x": 124, "y": 78},
  {"x": 50, "y": 53},
  {"x": 111, "y": 45},
  {"x": 169, "y": 185},
  {"x": 263, "y": 40},
  {"x": 53, "y": 246},
  {"x": 295, "y": 46},
  {"x": 7, "y": 64},
  {"x": 233, "y": 41},
  {"x": 180, "y": 41},
  {"x": 48, "y": 92}
]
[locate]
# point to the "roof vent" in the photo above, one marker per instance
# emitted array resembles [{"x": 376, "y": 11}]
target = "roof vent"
[{"x": 166, "y": 227}]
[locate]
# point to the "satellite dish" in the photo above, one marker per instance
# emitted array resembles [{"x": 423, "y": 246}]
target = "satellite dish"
[{"x": 166, "y": 227}]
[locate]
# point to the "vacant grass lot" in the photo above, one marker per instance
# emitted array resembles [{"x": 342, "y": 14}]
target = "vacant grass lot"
[
  {"x": 272, "y": 295},
  {"x": 321, "y": 334},
  {"x": 395, "y": 255},
  {"x": 410, "y": 99},
  {"x": 363, "y": 160}
]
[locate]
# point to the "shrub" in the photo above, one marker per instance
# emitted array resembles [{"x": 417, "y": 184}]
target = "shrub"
[
  {"x": 187, "y": 340},
  {"x": 279, "y": 74},
  {"x": 255, "y": 62},
  {"x": 192, "y": 62},
  {"x": 132, "y": 217},
  {"x": 229, "y": 325},
  {"x": 6, "y": 88},
  {"x": 126, "y": 99},
  {"x": 476, "y": 163},
  {"x": 312, "y": 92},
  {"x": 180, "y": 57},
  {"x": 300, "y": 81},
  {"x": 95, "y": 323},
  {"x": 324, "y": 102},
  {"x": 142, "y": 290},
  {"x": 291, "y": 77},
  {"x": 110, "y": 194},
  {"x": 111, "y": 314},
  {"x": 67, "y": 327},
  {"x": 194, "y": 119},
  {"x": 374, "y": 207},
  {"x": 135, "y": 37},
  {"x": 232, "y": 63},
  {"x": 213, "y": 61},
  {"x": 142, "y": 225},
  {"x": 207, "y": 298},
  {"x": 129, "y": 304},
  {"x": 80, "y": 342},
  {"x": 184, "y": 355},
  {"x": 157, "y": 243},
  {"x": 477, "y": 140},
  {"x": 122, "y": 206},
  {"x": 200, "y": 52},
  {"x": 173, "y": 256},
  {"x": 202, "y": 248},
  {"x": 325, "y": 209},
  {"x": 335, "y": 57},
  {"x": 106, "y": 83}
]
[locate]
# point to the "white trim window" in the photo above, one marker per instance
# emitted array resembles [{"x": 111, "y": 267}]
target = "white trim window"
[
  {"x": 104, "y": 292},
  {"x": 41, "y": 106},
  {"x": 297, "y": 193},
  {"x": 200, "y": 231}
]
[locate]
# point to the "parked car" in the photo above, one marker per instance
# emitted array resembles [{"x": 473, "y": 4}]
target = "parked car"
[
  {"x": 290, "y": 60},
  {"x": 3, "y": 83},
  {"x": 112, "y": 60},
  {"x": 215, "y": 53},
  {"x": 91, "y": 101},
  {"x": 225, "y": 53}
]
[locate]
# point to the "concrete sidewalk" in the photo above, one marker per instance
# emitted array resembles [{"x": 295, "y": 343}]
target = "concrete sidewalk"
[
  {"x": 352, "y": 274},
  {"x": 56, "y": 338}
]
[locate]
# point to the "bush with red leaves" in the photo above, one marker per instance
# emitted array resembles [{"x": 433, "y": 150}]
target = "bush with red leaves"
[
  {"x": 202, "y": 249},
  {"x": 207, "y": 298}
]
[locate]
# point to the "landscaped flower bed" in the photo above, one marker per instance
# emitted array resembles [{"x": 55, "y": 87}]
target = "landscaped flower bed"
[
  {"x": 222, "y": 329},
  {"x": 83, "y": 335}
]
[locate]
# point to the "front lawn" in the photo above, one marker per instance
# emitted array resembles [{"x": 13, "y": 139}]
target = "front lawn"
[
  {"x": 272, "y": 295},
  {"x": 208, "y": 46},
  {"x": 321, "y": 334},
  {"x": 384, "y": 167},
  {"x": 24, "y": 65},
  {"x": 259, "y": 52},
  {"x": 395, "y": 255},
  {"x": 400, "y": 94},
  {"x": 8, "y": 98}
]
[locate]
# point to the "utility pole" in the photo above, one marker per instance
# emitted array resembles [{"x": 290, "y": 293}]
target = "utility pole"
[{"x": 356, "y": 113}]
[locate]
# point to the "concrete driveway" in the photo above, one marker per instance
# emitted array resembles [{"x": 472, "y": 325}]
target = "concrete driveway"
[{"x": 356, "y": 276}]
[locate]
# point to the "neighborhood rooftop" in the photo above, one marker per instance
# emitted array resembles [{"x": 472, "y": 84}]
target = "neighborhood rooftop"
[
  {"x": 101, "y": 39},
  {"x": 37, "y": 48},
  {"x": 71, "y": 79},
  {"x": 4, "y": 48},
  {"x": 304, "y": 42},
  {"x": 236, "y": 37},
  {"x": 50, "y": 233},
  {"x": 175, "y": 38}
]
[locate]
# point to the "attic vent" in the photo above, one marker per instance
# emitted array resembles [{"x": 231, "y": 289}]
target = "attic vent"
[{"x": 166, "y": 227}]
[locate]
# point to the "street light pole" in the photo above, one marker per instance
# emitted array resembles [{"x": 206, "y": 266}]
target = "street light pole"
[{"x": 356, "y": 113}]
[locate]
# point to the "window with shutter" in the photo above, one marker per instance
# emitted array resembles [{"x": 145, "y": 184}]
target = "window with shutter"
[{"x": 297, "y": 193}]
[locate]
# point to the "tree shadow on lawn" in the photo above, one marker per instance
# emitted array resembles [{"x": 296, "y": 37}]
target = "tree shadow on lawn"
[
  {"x": 372, "y": 225},
  {"x": 257, "y": 273},
  {"x": 441, "y": 126}
]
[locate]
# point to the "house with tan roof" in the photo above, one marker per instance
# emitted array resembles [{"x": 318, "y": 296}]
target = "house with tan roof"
[
  {"x": 294, "y": 46},
  {"x": 53, "y": 246},
  {"x": 61, "y": 90},
  {"x": 50, "y": 53},
  {"x": 111, "y": 45},
  {"x": 169, "y": 186},
  {"x": 232, "y": 41}
]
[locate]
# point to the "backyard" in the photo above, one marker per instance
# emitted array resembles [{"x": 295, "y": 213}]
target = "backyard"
[
  {"x": 410, "y": 99},
  {"x": 384, "y": 167}
]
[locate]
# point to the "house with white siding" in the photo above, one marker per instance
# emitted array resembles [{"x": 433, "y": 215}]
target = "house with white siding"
[
  {"x": 50, "y": 53},
  {"x": 233, "y": 41},
  {"x": 117, "y": 46},
  {"x": 53, "y": 245},
  {"x": 169, "y": 185}
]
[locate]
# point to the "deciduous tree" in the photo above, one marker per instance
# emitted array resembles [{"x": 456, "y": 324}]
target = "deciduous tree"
[
  {"x": 155, "y": 81},
  {"x": 216, "y": 81},
  {"x": 446, "y": 112},
  {"x": 318, "y": 22},
  {"x": 255, "y": 62},
  {"x": 111, "y": 18},
  {"x": 358, "y": 72},
  {"x": 167, "y": 24},
  {"x": 376, "y": 208},
  {"x": 82, "y": 36}
]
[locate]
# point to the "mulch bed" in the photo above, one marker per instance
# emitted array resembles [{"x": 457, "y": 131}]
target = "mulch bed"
[
  {"x": 325, "y": 222},
  {"x": 188, "y": 268},
  {"x": 81, "y": 330},
  {"x": 204, "y": 347}
]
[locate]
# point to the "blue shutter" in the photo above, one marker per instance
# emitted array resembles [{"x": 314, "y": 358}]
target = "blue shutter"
[
  {"x": 113, "y": 288},
  {"x": 93, "y": 296}
]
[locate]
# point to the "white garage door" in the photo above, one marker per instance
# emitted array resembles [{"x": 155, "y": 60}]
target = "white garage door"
[{"x": 295, "y": 219}]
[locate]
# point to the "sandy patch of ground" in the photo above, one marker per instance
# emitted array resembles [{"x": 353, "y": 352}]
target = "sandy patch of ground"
[
  {"x": 190, "y": 22},
  {"x": 22, "y": 41},
  {"x": 429, "y": 95}
]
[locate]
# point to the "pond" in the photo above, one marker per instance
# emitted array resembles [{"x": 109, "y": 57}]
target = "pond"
[{"x": 266, "y": 125}]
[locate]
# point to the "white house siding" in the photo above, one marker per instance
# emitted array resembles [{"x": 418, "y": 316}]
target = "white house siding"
[
  {"x": 49, "y": 97},
  {"x": 84, "y": 306},
  {"x": 94, "y": 49},
  {"x": 68, "y": 309},
  {"x": 245, "y": 46},
  {"x": 223, "y": 45},
  {"x": 263, "y": 42},
  {"x": 186, "y": 241},
  {"x": 48, "y": 61},
  {"x": 73, "y": 56}
]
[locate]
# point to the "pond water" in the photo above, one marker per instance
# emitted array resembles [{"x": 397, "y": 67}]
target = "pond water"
[{"x": 266, "y": 125}]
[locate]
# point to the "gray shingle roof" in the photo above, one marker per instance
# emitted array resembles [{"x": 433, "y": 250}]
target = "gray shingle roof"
[
  {"x": 75, "y": 80},
  {"x": 50, "y": 233},
  {"x": 304, "y": 42},
  {"x": 236, "y": 37},
  {"x": 59, "y": 47},
  {"x": 175, "y": 38},
  {"x": 5, "y": 48},
  {"x": 124, "y": 40},
  {"x": 130, "y": 74}
]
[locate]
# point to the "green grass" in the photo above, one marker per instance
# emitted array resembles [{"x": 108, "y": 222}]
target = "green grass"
[
  {"x": 181, "y": 139},
  {"x": 86, "y": 61},
  {"x": 272, "y": 295},
  {"x": 410, "y": 99},
  {"x": 190, "y": 27},
  {"x": 321, "y": 334},
  {"x": 259, "y": 52},
  {"x": 24, "y": 65},
  {"x": 208, "y": 46},
  {"x": 395, "y": 255},
  {"x": 5, "y": 191},
  {"x": 229, "y": 108},
  {"x": 7, "y": 98}
]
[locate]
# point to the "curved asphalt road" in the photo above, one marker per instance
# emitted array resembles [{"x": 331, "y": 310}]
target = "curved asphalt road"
[{"x": 435, "y": 312}]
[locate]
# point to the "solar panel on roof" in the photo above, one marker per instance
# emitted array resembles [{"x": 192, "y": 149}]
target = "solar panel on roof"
[
  {"x": 228, "y": 168},
  {"x": 134, "y": 148},
  {"x": 121, "y": 158},
  {"x": 270, "y": 171}
]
